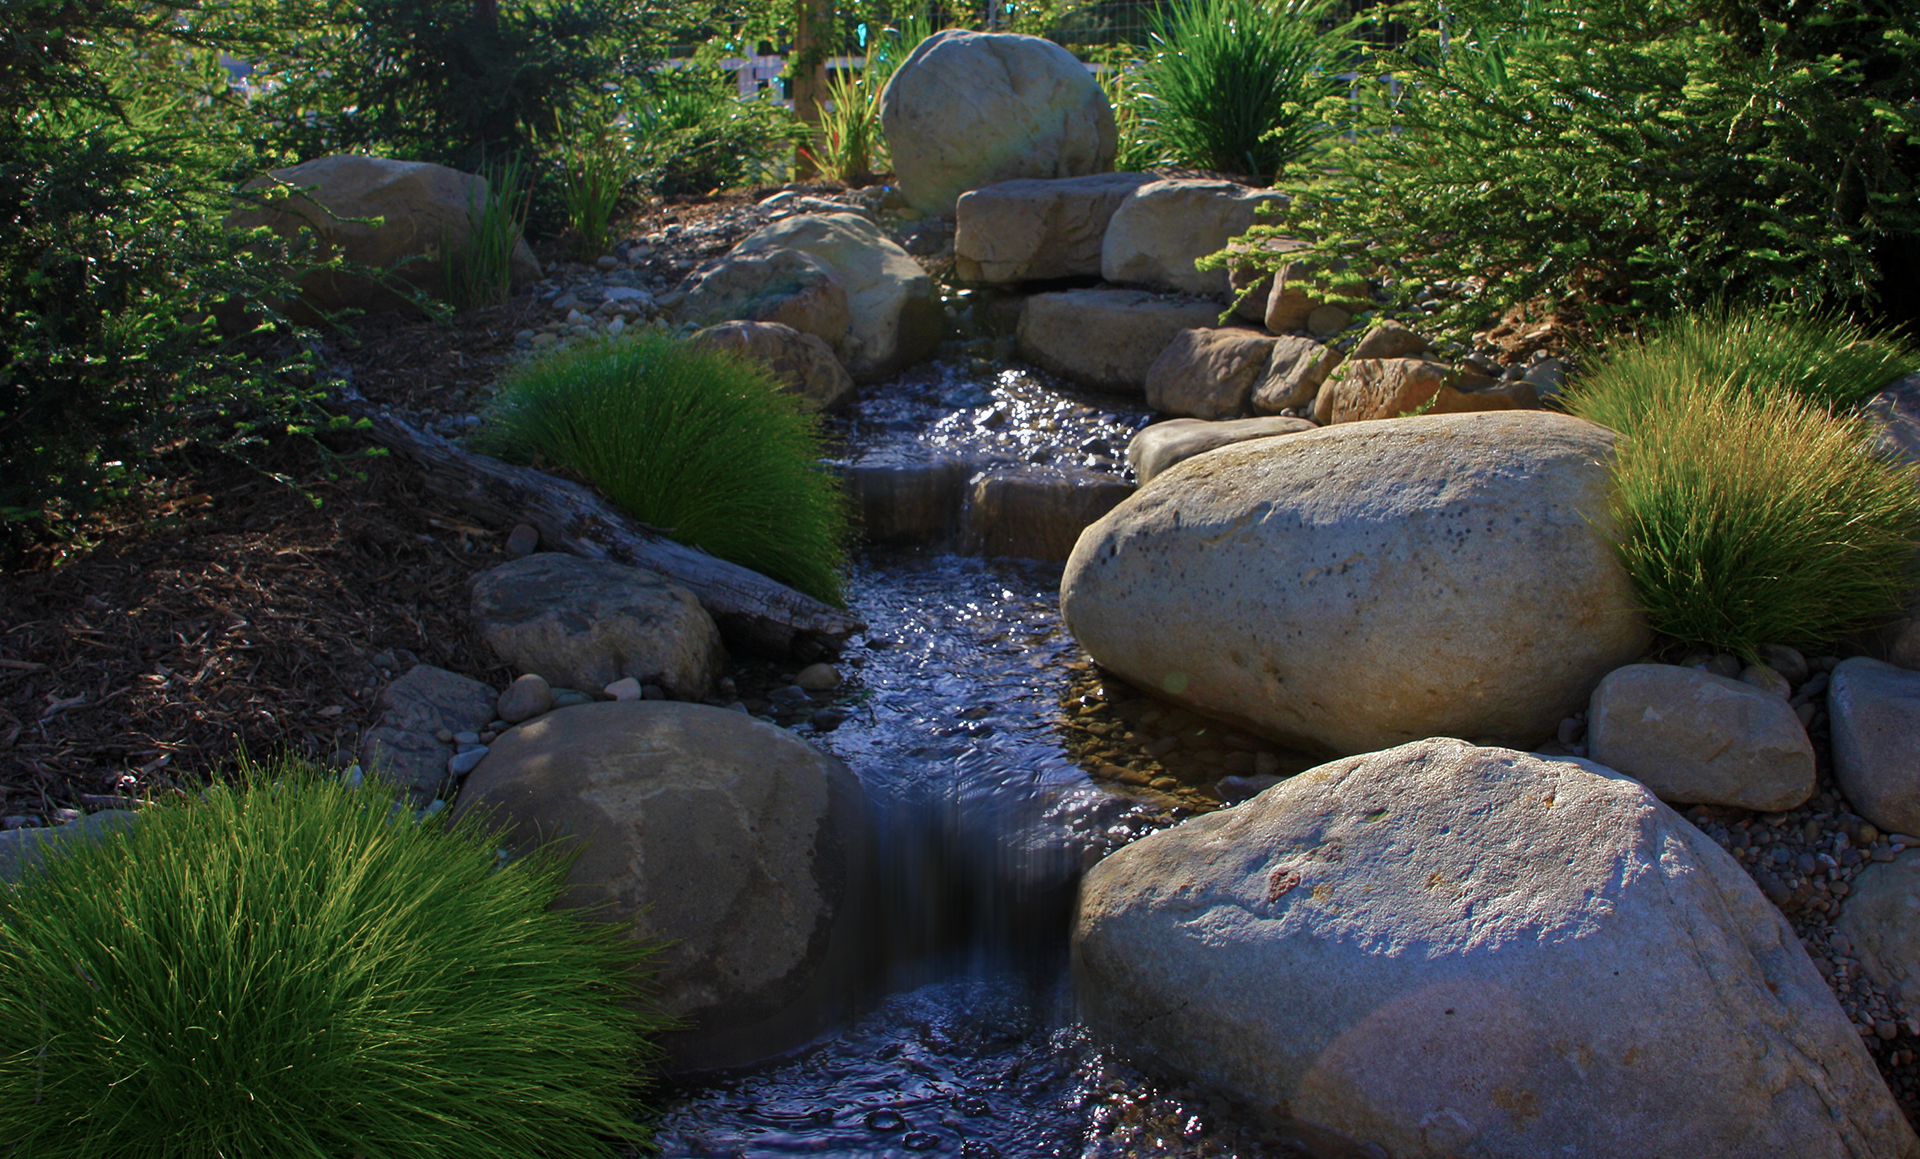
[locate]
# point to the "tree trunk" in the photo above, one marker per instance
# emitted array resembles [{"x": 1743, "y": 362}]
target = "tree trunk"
[{"x": 812, "y": 45}]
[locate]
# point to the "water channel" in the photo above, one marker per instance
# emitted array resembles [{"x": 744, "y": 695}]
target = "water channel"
[{"x": 952, "y": 723}]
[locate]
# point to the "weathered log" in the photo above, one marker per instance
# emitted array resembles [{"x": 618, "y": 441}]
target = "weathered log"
[{"x": 753, "y": 611}]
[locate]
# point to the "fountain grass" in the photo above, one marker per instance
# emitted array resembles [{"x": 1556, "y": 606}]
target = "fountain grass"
[
  {"x": 1752, "y": 517},
  {"x": 1822, "y": 358},
  {"x": 698, "y": 443},
  {"x": 289, "y": 967}
]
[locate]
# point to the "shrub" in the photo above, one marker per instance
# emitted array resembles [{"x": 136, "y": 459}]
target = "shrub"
[
  {"x": 1623, "y": 159},
  {"x": 693, "y": 133},
  {"x": 290, "y": 968},
  {"x": 1753, "y": 517},
  {"x": 1822, "y": 358},
  {"x": 1231, "y": 85},
  {"x": 694, "y": 442}
]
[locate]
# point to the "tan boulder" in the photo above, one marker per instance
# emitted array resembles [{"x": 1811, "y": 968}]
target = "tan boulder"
[
  {"x": 1161, "y": 445},
  {"x": 1391, "y": 340},
  {"x": 783, "y": 286},
  {"x": 1105, "y": 338},
  {"x": 396, "y": 216},
  {"x": 1208, "y": 373},
  {"x": 1298, "y": 291},
  {"x": 1038, "y": 229},
  {"x": 801, "y": 363},
  {"x": 1162, "y": 228},
  {"x": 738, "y": 847},
  {"x": 1360, "y": 586},
  {"x": 1385, "y": 388},
  {"x": 1295, "y": 371}
]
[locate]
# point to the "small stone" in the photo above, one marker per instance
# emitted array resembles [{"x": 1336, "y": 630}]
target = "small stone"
[
  {"x": 818, "y": 677},
  {"x": 527, "y": 697},
  {"x": 466, "y": 761},
  {"x": 522, "y": 540},
  {"x": 523, "y": 336},
  {"x": 466, "y": 738},
  {"x": 65, "y": 816},
  {"x": 652, "y": 692},
  {"x": 1788, "y": 662},
  {"x": 1266, "y": 765},
  {"x": 545, "y": 338},
  {"x": 1866, "y": 834},
  {"x": 569, "y": 697},
  {"x": 1804, "y": 711},
  {"x": 739, "y": 706},
  {"x": 790, "y": 694},
  {"x": 1767, "y": 680},
  {"x": 607, "y": 263},
  {"x": 1885, "y": 1030},
  {"x": 625, "y": 688},
  {"x": 617, "y": 326},
  {"x": 444, "y": 736},
  {"x": 1571, "y": 730},
  {"x": 827, "y": 719},
  {"x": 1724, "y": 665}
]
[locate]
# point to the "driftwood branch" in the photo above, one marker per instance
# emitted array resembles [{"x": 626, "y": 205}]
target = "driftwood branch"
[{"x": 753, "y": 612}]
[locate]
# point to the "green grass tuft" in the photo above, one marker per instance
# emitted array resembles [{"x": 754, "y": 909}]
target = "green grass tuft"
[
  {"x": 693, "y": 441},
  {"x": 1824, "y": 359},
  {"x": 287, "y": 968},
  {"x": 1756, "y": 517}
]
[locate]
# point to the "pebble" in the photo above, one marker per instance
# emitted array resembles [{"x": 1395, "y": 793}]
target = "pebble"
[
  {"x": 790, "y": 694},
  {"x": 1788, "y": 662},
  {"x": 818, "y": 677},
  {"x": 65, "y": 816},
  {"x": 466, "y": 738},
  {"x": 607, "y": 263},
  {"x": 467, "y": 760},
  {"x": 444, "y": 736},
  {"x": 527, "y": 697},
  {"x": 522, "y": 540},
  {"x": 625, "y": 688}
]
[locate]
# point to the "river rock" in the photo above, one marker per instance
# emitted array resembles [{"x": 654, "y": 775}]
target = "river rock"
[
  {"x": 739, "y": 847},
  {"x": 1162, "y": 228},
  {"x": 403, "y": 747},
  {"x": 22, "y": 850},
  {"x": 1881, "y": 919},
  {"x": 527, "y": 697},
  {"x": 422, "y": 209},
  {"x": 585, "y": 623},
  {"x": 1875, "y": 713},
  {"x": 1296, "y": 369},
  {"x": 1104, "y": 337},
  {"x": 1385, "y": 388},
  {"x": 1453, "y": 951},
  {"x": 1391, "y": 340},
  {"x": 1208, "y": 373},
  {"x": 1346, "y": 589},
  {"x": 1161, "y": 445},
  {"x": 1037, "y": 512},
  {"x": 801, "y": 364},
  {"x": 1034, "y": 230},
  {"x": 1298, "y": 291},
  {"x": 1701, "y": 739},
  {"x": 971, "y": 109},
  {"x": 896, "y": 319},
  {"x": 783, "y": 286}
]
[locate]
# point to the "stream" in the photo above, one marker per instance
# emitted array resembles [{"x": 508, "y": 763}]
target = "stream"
[{"x": 953, "y": 704}]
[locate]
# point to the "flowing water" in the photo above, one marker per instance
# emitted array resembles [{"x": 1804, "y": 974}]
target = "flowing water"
[{"x": 984, "y": 825}]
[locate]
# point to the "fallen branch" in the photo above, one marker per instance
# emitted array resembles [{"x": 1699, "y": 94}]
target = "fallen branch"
[{"x": 753, "y": 611}]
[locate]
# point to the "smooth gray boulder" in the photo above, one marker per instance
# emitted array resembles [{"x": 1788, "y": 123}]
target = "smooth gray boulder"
[
  {"x": 1881, "y": 920},
  {"x": 971, "y": 109},
  {"x": 402, "y": 748},
  {"x": 1161, "y": 445},
  {"x": 1038, "y": 229},
  {"x": 1701, "y": 739},
  {"x": 1346, "y": 589},
  {"x": 1874, "y": 714},
  {"x": 1454, "y": 951},
  {"x": 894, "y": 310},
  {"x": 800, "y": 363},
  {"x": 1208, "y": 373},
  {"x": 1161, "y": 229},
  {"x": 1105, "y": 338},
  {"x": 784, "y": 286},
  {"x": 22, "y": 850},
  {"x": 585, "y": 623},
  {"x": 739, "y": 846}
]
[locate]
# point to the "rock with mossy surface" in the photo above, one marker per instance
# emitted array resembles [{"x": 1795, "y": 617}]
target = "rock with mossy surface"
[
  {"x": 1446, "y": 950},
  {"x": 1345, "y": 589},
  {"x": 741, "y": 847}
]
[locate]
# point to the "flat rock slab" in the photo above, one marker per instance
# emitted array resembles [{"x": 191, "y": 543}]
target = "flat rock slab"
[
  {"x": 585, "y": 623},
  {"x": 1875, "y": 713},
  {"x": 401, "y": 748},
  {"x": 739, "y": 846},
  {"x": 1103, "y": 337},
  {"x": 1701, "y": 739},
  {"x": 1037, "y": 230},
  {"x": 1456, "y": 951},
  {"x": 1037, "y": 512},
  {"x": 1161, "y": 445}
]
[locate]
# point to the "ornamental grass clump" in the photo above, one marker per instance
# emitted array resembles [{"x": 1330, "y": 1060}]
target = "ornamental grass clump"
[
  {"x": 289, "y": 967},
  {"x": 695, "y": 442},
  {"x": 1752, "y": 517}
]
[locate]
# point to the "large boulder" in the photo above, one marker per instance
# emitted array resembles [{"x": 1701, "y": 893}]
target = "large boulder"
[
  {"x": 801, "y": 363},
  {"x": 1346, "y": 589},
  {"x": 971, "y": 109},
  {"x": 739, "y": 847},
  {"x": 1035, "y": 229},
  {"x": 1454, "y": 951},
  {"x": 1874, "y": 710},
  {"x": 585, "y": 623},
  {"x": 1384, "y": 388},
  {"x": 1037, "y": 512},
  {"x": 396, "y": 216},
  {"x": 1701, "y": 739},
  {"x": 896, "y": 317},
  {"x": 1105, "y": 338},
  {"x": 404, "y": 747},
  {"x": 1208, "y": 373},
  {"x": 1163, "y": 228},
  {"x": 783, "y": 286},
  {"x": 1161, "y": 445}
]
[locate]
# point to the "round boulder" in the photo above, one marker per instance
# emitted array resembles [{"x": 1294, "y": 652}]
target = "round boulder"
[
  {"x": 972, "y": 109},
  {"x": 1447, "y": 951},
  {"x": 740, "y": 847},
  {"x": 1351, "y": 588},
  {"x": 781, "y": 286},
  {"x": 800, "y": 363}
]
